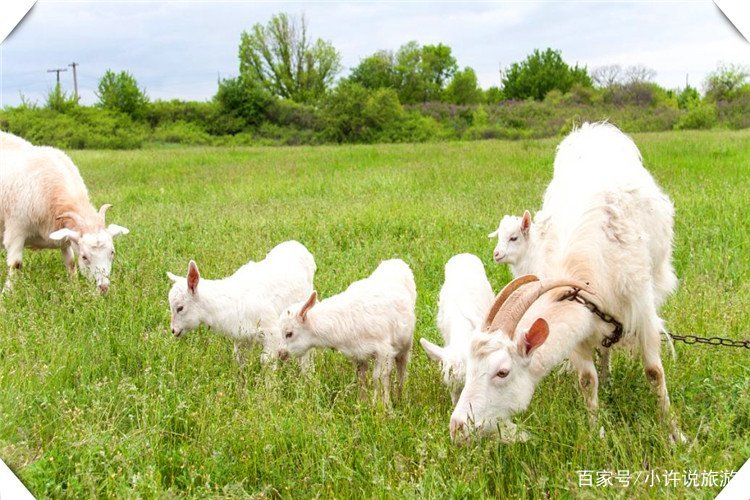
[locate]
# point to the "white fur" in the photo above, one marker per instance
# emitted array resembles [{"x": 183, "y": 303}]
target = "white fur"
[
  {"x": 38, "y": 185},
  {"x": 246, "y": 305},
  {"x": 606, "y": 222},
  {"x": 373, "y": 318},
  {"x": 517, "y": 245},
  {"x": 465, "y": 298}
]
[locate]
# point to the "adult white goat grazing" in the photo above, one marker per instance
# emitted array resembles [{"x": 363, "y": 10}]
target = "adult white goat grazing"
[
  {"x": 373, "y": 318},
  {"x": 603, "y": 208},
  {"x": 245, "y": 306},
  {"x": 465, "y": 298},
  {"x": 44, "y": 204}
]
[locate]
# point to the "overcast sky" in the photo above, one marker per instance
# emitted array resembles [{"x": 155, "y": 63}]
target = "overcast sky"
[{"x": 179, "y": 49}]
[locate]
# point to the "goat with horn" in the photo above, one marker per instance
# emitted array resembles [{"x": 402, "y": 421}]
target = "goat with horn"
[
  {"x": 44, "y": 203},
  {"x": 608, "y": 235}
]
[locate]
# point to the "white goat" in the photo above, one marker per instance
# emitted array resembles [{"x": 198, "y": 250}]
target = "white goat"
[
  {"x": 246, "y": 305},
  {"x": 465, "y": 298},
  {"x": 44, "y": 204},
  {"x": 598, "y": 242},
  {"x": 373, "y": 318},
  {"x": 516, "y": 243}
]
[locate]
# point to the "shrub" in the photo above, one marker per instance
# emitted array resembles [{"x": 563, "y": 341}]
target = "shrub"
[
  {"x": 79, "y": 128},
  {"x": 735, "y": 113},
  {"x": 288, "y": 113},
  {"x": 59, "y": 101},
  {"x": 702, "y": 116},
  {"x": 181, "y": 132},
  {"x": 240, "y": 97}
]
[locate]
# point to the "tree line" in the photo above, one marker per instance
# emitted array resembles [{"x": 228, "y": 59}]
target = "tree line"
[{"x": 289, "y": 89}]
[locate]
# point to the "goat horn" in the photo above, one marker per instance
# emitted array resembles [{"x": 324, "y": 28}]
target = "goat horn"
[
  {"x": 75, "y": 217},
  {"x": 103, "y": 209},
  {"x": 503, "y": 296},
  {"x": 515, "y": 306}
]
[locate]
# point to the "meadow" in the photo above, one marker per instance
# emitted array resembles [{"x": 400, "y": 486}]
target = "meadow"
[{"x": 97, "y": 398}]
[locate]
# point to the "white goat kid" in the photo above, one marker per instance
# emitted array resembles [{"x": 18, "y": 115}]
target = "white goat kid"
[
  {"x": 601, "y": 237},
  {"x": 465, "y": 298},
  {"x": 246, "y": 305},
  {"x": 516, "y": 238},
  {"x": 373, "y": 318},
  {"x": 44, "y": 203}
]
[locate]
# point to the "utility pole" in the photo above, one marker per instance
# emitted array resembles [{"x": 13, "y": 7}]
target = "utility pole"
[
  {"x": 75, "y": 78},
  {"x": 58, "y": 71}
]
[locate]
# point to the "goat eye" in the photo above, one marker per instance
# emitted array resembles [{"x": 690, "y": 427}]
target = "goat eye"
[
  {"x": 502, "y": 373},
  {"x": 289, "y": 335},
  {"x": 513, "y": 238},
  {"x": 84, "y": 258},
  {"x": 179, "y": 309}
]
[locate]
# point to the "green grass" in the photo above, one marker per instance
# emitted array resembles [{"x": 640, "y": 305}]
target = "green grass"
[{"x": 98, "y": 399}]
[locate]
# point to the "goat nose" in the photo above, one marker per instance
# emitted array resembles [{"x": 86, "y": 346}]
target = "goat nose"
[
  {"x": 497, "y": 256},
  {"x": 283, "y": 355},
  {"x": 103, "y": 288}
]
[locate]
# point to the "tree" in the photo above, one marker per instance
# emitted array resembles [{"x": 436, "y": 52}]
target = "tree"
[
  {"x": 464, "y": 88},
  {"x": 639, "y": 73},
  {"x": 376, "y": 71},
  {"x": 422, "y": 72},
  {"x": 280, "y": 58},
  {"x": 120, "y": 91},
  {"x": 238, "y": 97},
  {"x": 606, "y": 76},
  {"x": 540, "y": 73},
  {"x": 493, "y": 95},
  {"x": 723, "y": 83}
]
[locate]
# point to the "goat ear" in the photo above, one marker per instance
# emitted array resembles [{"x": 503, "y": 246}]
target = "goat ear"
[
  {"x": 535, "y": 337},
  {"x": 193, "y": 277},
  {"x": 174, "y": 278},
  {"x": 434, "y": 352},
  {"x": 65, "y": 233},
  {"x": 308, "y": 305},
  {"x": 493, "y": 234},
  {"x": 115, "y": 230},
  {"x": 526, "y": 222}
]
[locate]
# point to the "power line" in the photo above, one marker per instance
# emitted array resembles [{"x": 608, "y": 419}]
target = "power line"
[{"x": 75, "y": 77}]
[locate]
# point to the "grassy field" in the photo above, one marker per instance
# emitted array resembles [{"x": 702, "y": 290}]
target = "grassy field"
[{"x": 98, "y": 399}]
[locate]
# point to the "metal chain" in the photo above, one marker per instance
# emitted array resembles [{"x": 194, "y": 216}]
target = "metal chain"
[
  {"x": 608, "y": 340},
  {"x": 693, "y": 339},
  {"x": 617, "y": 332}
]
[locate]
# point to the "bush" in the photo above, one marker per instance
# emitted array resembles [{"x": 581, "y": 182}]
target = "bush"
[
  {"x": 206, "y": 115},
  {"x": 181, "y": 132},
  {"x": 241, "y": 98},
  {"x": 353, "y": 113},
  {"x": 79, "y": 128},
  {"x": 735, "y": 113},
  {"x": 702, "y": 116},
  {"x": 286, "y": 113}
]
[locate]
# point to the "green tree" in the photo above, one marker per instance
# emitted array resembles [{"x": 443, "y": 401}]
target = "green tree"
[
  {"x": 688, "y": 98},
  {"x": 464, "y": 88},
  {"x": 238, "y": 97},
  {"x": 280, "y": 58},
  {"x": 353, "y": 113},
  {"x": 422, "y": 72},
  {"x": 120, "y": 91},
  {"x": 723, "y": 83},
  {"x": 540, "y": 73},
  {"x": 376, "y": 71},
  {"x": 493, "y": 95}
]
